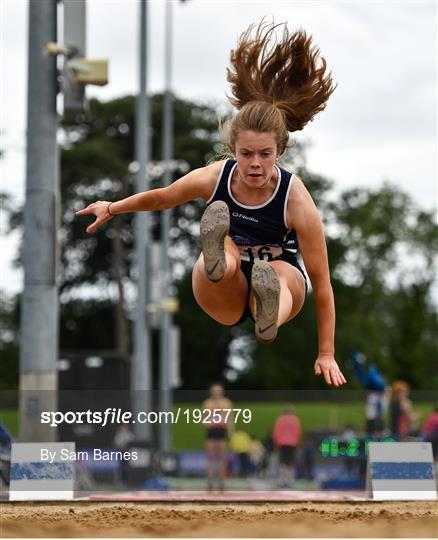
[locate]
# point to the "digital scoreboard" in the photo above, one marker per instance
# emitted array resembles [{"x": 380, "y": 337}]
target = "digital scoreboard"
[{"x": 355, "y": 447}]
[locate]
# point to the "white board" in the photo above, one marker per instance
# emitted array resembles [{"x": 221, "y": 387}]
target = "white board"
[
  {"x": 401, "y": 471},
  {"x": 34, "y": 478}
]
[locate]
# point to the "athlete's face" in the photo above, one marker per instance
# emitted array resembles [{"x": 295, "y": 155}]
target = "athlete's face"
[{"x": 255, "y": 154}]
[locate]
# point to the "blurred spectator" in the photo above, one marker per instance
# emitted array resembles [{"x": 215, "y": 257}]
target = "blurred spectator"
[
  {"x": 403, "y": 419},
  {"x": 123, "y": 437},
  {"x": 308, "y": 461},
  {"x": 286, "y": 437},
  {"x": 348, "y": 433},
  {"x": 269, "y": 456},
  {"x": 5, "y": 454},
  {"x": 430, "y": 431},
  {"x": 121, "y": 441},
  {"x": 240, "y": 443},
  {"x": 218, "y": 421},
  {"x": 256, "y": 456},
  {"x": 5, "y": 437},
  {"x": 377, "y": 399},
  {"x": 350, "y": 462}
]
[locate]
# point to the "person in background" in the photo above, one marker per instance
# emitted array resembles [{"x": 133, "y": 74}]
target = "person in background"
[
  {"x": 308, "y": 461},
  {"x": 256, "y": 456},
  {"x": 350, "y": 462},
  {"x": 5, "y": 437},
  {"x": 240, "y": 443},
  {"x": 286, "y": 437},
  {"x": 218, "y": 421},
  {"x": 430, "y": 431},
  {"x": 377, "y": 399},
  {"x": 402, "y": 417},
  {"x": 269, "y": 463},
  {"x": 5, "y": 454},
  {"x": 122, "y": 439}
]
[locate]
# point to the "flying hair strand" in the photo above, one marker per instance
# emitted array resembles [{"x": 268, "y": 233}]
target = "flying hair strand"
[{"x": 288, "y": 73}]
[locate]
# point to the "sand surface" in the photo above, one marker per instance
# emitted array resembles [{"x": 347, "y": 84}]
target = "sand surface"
[{"x": 110, "y": 519}]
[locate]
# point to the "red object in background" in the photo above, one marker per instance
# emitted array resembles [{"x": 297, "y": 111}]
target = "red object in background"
[
  {"x": 431, "y": 424},
  {"x": 287, "y": 430}
]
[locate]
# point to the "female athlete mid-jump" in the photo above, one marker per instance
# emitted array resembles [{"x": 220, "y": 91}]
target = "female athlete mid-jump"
[{"x": 258, "y": 213}]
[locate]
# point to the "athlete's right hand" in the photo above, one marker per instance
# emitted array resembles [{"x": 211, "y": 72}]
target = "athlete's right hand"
[{"x": 100, "y": 210}]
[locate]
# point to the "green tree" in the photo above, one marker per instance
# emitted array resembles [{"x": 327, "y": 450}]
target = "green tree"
[
  {"x": 381, "y": 248},
  {"x": 8, "y": 343},
  {"x": 96, "y": 282}
]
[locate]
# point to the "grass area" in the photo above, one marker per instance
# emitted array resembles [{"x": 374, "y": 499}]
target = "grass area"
[
  {"x": 188, "y": 435},
  {"x": 317, "y": 415},
  {"x": 9, "y": 417}
]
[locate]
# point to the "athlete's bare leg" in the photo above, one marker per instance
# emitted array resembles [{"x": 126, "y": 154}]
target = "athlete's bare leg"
[
  {"x": 223, "y": 300},
  {"x": 216, "y": 462},
  {"x": 221, "y": 289},
  {"x": 211, "y": 448},
  {"x": 223, "y": 462}
]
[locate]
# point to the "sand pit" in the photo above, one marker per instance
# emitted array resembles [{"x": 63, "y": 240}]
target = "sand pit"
[{"x": 111, "y": 519}]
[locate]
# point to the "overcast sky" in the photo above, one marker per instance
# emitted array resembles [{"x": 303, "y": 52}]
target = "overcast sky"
[{"x": 381, "y": 122}]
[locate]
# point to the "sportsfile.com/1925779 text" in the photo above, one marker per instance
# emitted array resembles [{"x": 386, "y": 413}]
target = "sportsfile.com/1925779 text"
[{"x": 113, "y": 415}]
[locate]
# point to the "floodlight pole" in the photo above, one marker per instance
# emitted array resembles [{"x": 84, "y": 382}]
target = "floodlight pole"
[
  {"x": 141, "y": 380},
  {"x": 165, "y": 434},
  {"x": 39, "y": 300}
]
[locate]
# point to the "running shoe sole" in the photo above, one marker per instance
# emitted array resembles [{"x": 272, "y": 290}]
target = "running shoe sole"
[
  {"x": 266, "y": 288},
  {"x": 215, "y": 224}
]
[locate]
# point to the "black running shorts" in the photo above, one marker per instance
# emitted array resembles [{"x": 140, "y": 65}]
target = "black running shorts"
[{"x": 217, "y": 433}]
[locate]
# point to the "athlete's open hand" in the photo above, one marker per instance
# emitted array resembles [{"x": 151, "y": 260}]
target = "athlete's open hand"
[
  {"x": 327, "y": 365},
  {"x": 100, "y": 210}
]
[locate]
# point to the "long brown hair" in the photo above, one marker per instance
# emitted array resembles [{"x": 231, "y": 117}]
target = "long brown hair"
[{"x": 276, "y": 86}]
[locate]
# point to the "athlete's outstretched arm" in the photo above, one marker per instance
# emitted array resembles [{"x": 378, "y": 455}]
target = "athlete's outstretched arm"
[
  {"x": 304, "y": 217},
  {"x": 198, "y": 183}
]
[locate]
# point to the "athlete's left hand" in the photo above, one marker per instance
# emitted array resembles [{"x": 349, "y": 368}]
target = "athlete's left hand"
[{"x": 327, "y": 365}]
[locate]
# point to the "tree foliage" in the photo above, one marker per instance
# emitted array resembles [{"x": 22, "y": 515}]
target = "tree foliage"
[
  {"x": 381, "y": 259},
  {"x": 8, "y": 343}
]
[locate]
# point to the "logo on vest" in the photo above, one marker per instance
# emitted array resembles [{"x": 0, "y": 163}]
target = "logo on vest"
[{"x": 242, "y": 216}]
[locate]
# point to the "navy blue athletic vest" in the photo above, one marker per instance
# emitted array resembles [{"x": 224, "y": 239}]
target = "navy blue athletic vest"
[{"x": 259, "y": 231}]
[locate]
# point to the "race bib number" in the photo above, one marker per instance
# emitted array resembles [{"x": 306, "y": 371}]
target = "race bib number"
[{"x": 263, "y": 253}]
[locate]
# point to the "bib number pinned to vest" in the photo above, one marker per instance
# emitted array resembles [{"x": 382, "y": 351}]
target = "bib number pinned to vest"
[{"x": 263, "y": 253}]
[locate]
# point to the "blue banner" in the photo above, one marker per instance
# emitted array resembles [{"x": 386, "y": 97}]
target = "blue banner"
[{"x": 402, "y": 470}]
